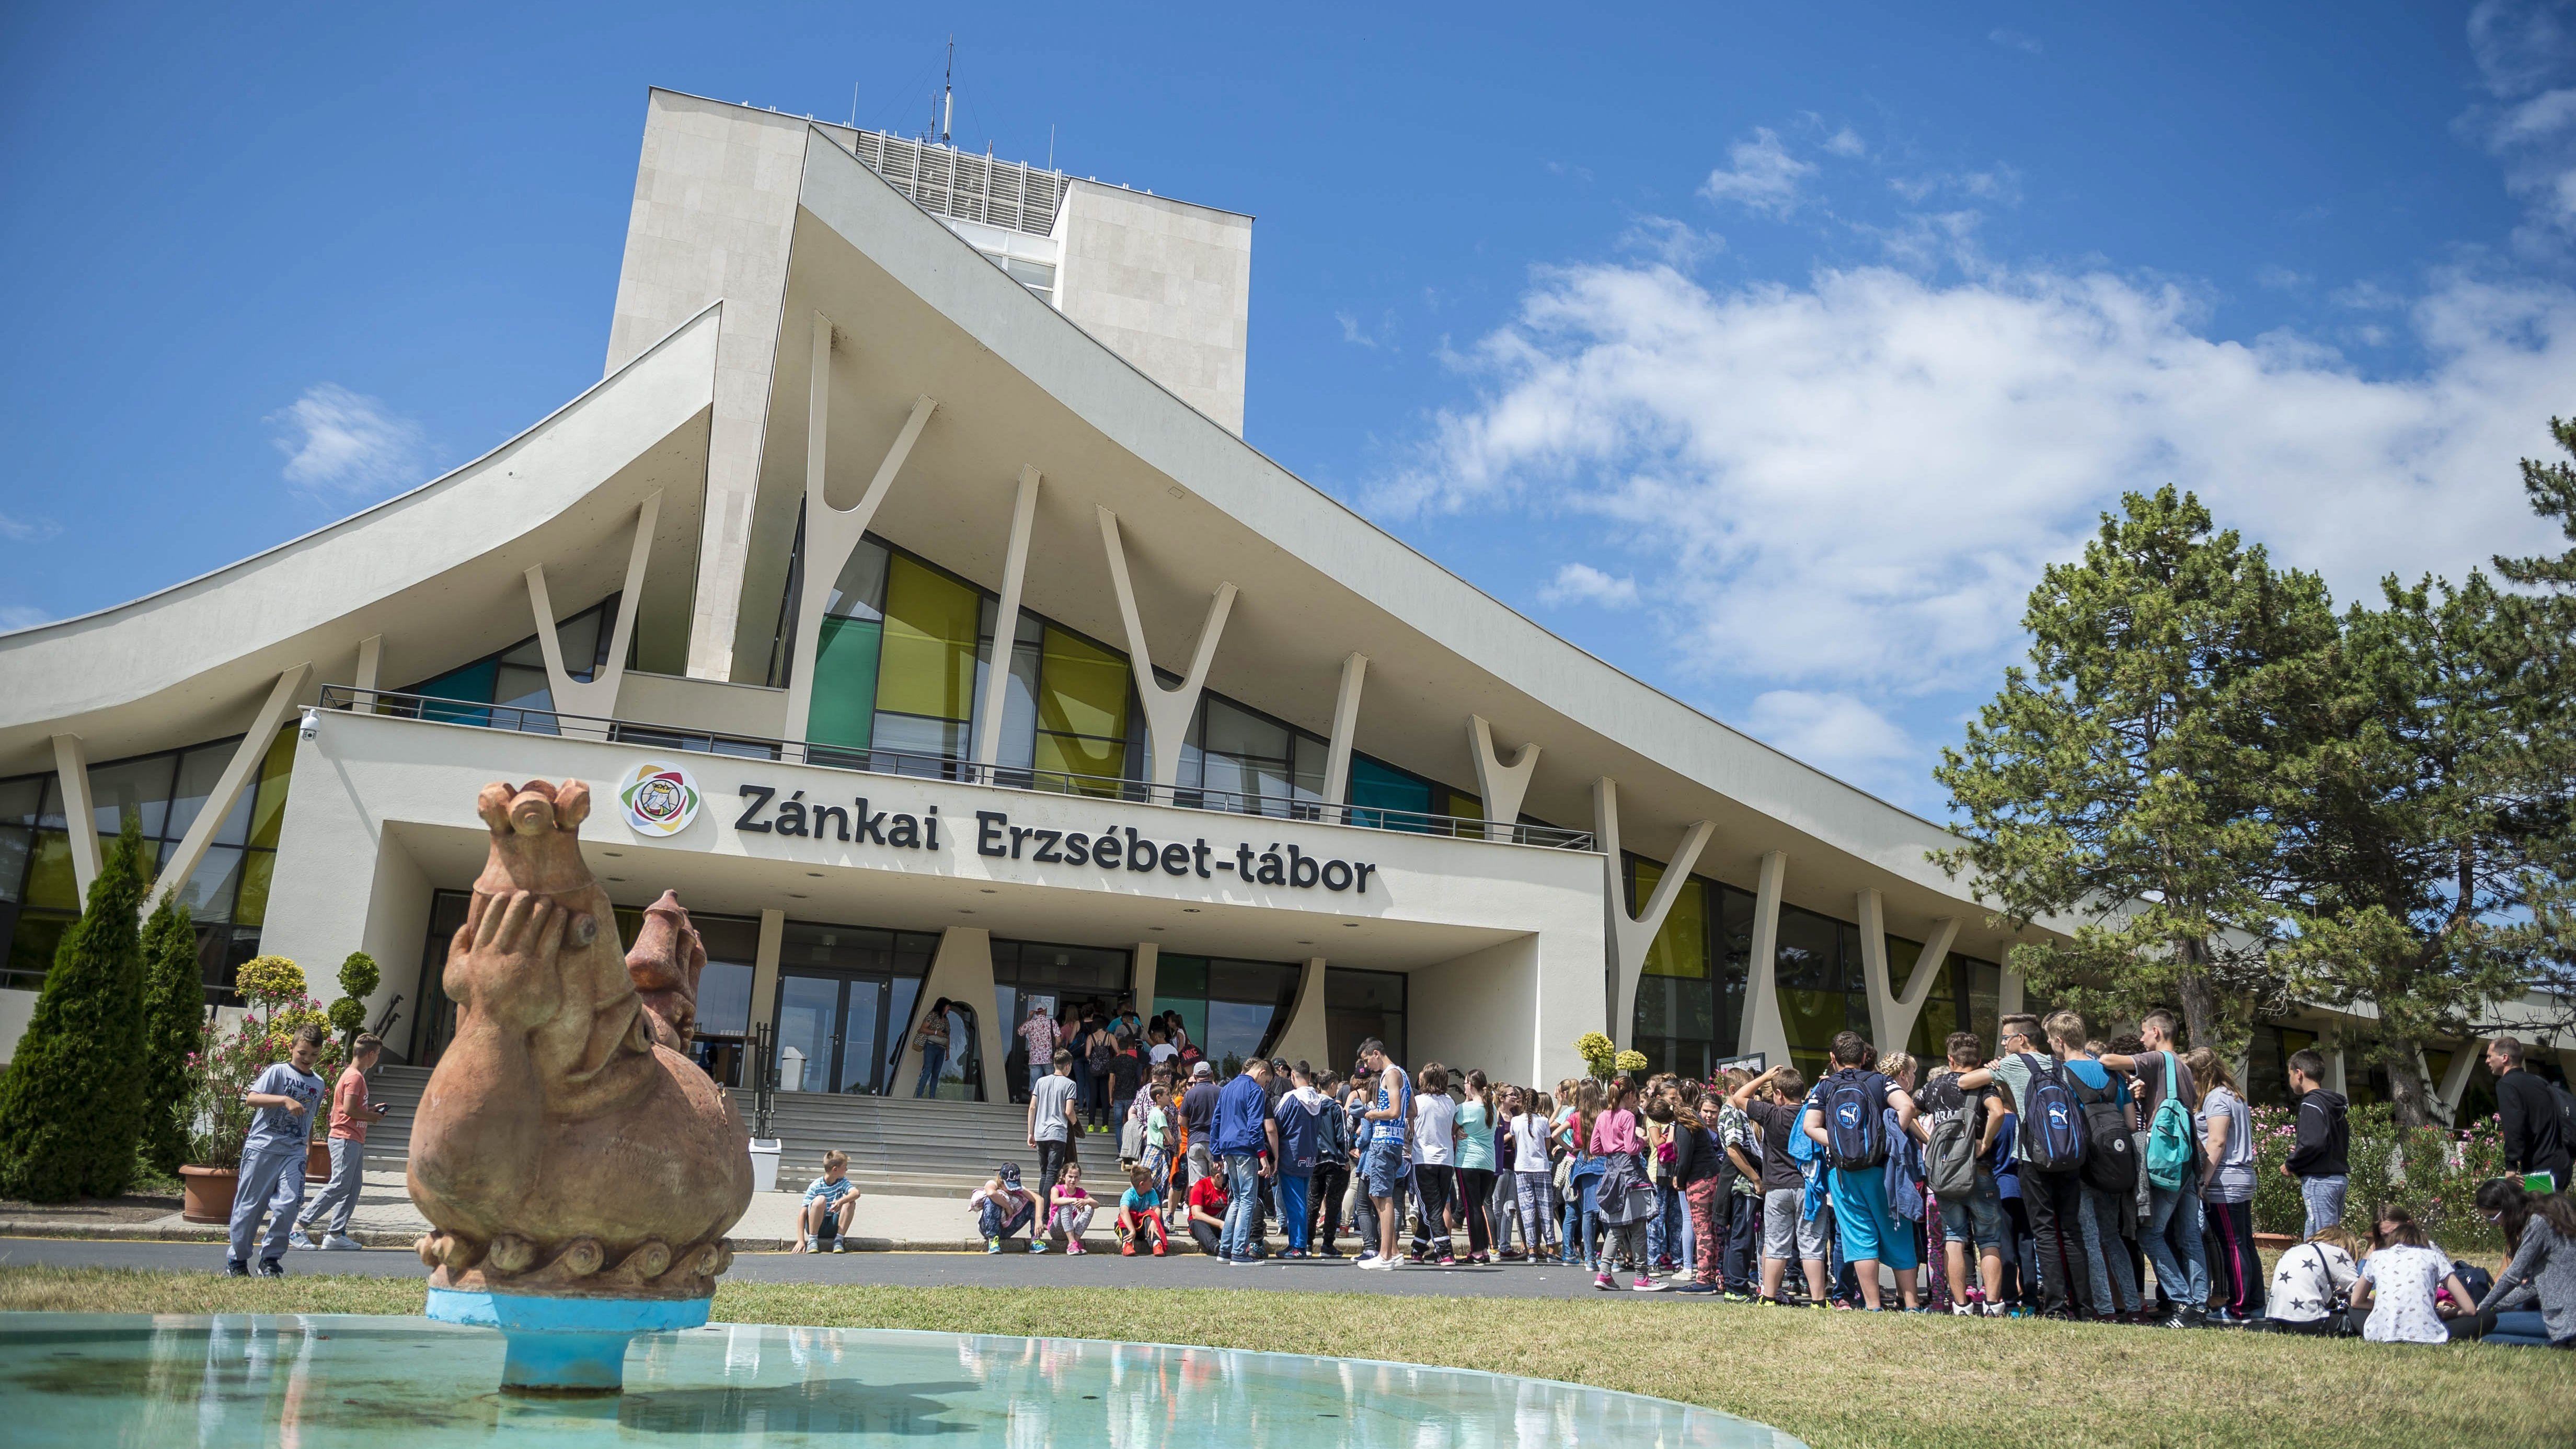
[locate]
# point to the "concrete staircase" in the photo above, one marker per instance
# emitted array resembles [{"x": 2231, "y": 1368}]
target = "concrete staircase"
[{"x": 896, "y": 1144}]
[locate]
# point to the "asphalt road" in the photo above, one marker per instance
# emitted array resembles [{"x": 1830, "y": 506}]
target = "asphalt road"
[{"x": 1012, "y": 1269}]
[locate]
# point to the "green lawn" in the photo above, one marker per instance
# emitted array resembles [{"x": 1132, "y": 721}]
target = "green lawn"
[{"x": 1833, "y": 1379}]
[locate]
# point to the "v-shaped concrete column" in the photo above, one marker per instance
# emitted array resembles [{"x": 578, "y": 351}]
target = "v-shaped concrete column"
[
  {"x": 830, "y": 533},
  {"x": 596, "y": 697},
  {"x": 1006, "y": 627},
  {"x": 1631, "y": 936},
  {"x": 1892, "y": 1014},
  {"x": 1167, "y": 711},
  {"x": 1762, "y": 1029},
  {"x": 1503, "y": 786},
  {"x": 1346, "y": 723},
  {"x": 71, "y": 772}
]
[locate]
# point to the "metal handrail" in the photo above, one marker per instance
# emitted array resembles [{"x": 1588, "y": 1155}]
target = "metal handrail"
[{"x": 521, "y": 719}]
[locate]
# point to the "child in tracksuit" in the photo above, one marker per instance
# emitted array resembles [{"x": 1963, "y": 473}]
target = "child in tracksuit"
[{"x": 272, "y": 1160}]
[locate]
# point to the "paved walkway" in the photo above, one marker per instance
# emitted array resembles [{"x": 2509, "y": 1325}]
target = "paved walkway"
[
  {"x": 386, "y": 1218},
  {"x": 1012, "y": 1269}
]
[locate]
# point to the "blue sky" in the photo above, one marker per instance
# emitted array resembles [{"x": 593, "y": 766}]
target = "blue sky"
[{"x": 1768, "y": 352}]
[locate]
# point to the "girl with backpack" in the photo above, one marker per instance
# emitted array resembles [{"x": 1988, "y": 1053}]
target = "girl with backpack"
[
  {"x": 2226, "y": 1189},
  {"x": 1332, "y": 1170},
  {"x": 1580, "y": 1174}
]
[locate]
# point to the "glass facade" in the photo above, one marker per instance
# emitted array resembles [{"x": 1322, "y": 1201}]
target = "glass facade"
[
  {"x": 1359, "y": 1005},
  {"x": 1232, "y": 1009},
  {"x": 1040, "y": 973},
  {"x": 495, "y": 688},
  {"x": 844, "y": 1009},
  {"x": 227, "y": 896},
  {"x": 903, "y": 671},
  {"x": 1690, "y": 996}
]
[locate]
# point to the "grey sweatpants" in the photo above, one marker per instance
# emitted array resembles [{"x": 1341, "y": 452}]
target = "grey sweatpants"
[
  {"x": 339, "y": 1196},
  {"x": 272, "y": 1181}
]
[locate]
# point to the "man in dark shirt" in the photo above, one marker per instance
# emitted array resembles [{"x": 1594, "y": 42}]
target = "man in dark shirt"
[
  {"x": 1198, "y": 1113},
  {"x": 2533, "y": 1137}
]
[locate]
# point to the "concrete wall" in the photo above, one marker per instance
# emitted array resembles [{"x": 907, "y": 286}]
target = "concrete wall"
[
  {"x": 1166, "y": 285},
  {"x": 715, "y": 206},
  {"x": 1484, "y": 1010}
]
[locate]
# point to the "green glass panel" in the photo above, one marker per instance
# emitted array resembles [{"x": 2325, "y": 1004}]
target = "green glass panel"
[
  {"x": 928, "y": 658},
  {"x": 1059, "y": 755},
  {"x": 259, "y": 868},
  {"x": 1180, "y": 976},
  {"x": 845, "y": 683},
  {"x": 51, "y": 885},
  {"x": 1681, "y": 946},
  {"x": 268, "y": 802},
  {"x": 1082, "y": 689},
  {"x": 1811, "y": 1018}
]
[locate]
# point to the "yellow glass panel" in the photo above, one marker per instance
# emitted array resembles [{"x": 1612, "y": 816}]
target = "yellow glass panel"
[
  {"x": 50, "y": 881},
  {"x": 1073, "y": 756},
  {"x": 1463, "y": 806},
  {"x": 1082, "y": 688},
  {"x": 928, "y": 660},
  {"x": 259, "y": 868},
  {"x": 1681, "y": 947},
  {"x": 268, "y": 804}
]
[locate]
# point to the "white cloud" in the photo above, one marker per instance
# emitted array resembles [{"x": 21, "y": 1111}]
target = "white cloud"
[
  {"x": 1352, "y": 332},
  {"x": 20, "y": 530},
  {"x": 2526, "y": 54},
  {"x": 1581, "y": 583},
  {"x": 2011, "y": 39},
  {"x": 1846, "y": 142},
  {"x": 14, "y": 617},
  {"x": 1853, "y": 483},
  {"x": 2279, "y": 278},
  {"x": 343, "y": 444},
  {"x": 1832, "y": 731},
  {"x": 1677, "y": 243},
  {"x": 1760, "y": 175}
]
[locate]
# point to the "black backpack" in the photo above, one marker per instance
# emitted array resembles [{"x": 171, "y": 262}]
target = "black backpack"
[
  {"x": 1950, "y": 1162},
  {"x": 1103, "y": 1055},
  {"x": 2052, "y": 1121},
  {"x": 2110, "y": 1159},
  {"x": 1855, "y": 1129},
  {"x": 2566, "y": 1101}
]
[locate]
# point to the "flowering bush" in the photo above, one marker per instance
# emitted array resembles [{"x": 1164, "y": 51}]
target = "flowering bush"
[
  {"x": 2432, "y": 1172},
  {"x": 1631, "y": 1062}
]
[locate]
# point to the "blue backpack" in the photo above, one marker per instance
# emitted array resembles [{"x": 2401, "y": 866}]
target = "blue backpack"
[
  {"x": 1803, "y": 1148},
  {"x": 1855, "y": 1127},
  {"x": 2052, "y": 1121}
]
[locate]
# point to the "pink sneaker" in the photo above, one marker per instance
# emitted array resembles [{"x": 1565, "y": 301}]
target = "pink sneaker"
[{"x": 1076, "y": 1247}]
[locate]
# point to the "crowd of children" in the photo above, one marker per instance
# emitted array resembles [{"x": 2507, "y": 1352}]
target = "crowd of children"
[{"x": 2063, "y": 1177}]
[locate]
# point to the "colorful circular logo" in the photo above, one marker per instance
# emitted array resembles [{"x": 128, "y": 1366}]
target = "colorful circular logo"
[{"x": 660, "y": 798}]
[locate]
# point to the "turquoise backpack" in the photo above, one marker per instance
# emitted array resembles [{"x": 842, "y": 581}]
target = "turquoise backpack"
[{"x": 2170, "y": 1144}]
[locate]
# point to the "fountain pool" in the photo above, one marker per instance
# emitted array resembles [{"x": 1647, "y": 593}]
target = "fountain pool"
[{"x": 321, "y": 1381}]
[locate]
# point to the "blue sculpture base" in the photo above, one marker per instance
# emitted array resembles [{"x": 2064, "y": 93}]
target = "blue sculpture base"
[{"x": 565, "y": 1346}]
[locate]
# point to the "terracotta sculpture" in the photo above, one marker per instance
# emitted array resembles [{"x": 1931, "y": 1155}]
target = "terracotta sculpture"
[{"x": 567, "y": 1146}]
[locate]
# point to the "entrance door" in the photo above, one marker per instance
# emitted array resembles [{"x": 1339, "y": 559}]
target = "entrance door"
[{"x": 832, "y": 1031}]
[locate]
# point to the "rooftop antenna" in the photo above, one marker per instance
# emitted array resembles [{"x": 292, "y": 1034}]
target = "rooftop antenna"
[
  {"x": 854, "y": 105},
  {"x": 948, "y": 95},
  {"x": 1050, "y": 145}
]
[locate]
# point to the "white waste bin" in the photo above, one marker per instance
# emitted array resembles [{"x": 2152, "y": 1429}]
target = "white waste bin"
[{"x": 764, "y": 1164}]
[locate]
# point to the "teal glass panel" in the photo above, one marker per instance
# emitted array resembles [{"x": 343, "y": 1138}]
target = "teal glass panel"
[
  {"x": 1376, "y": 787},
  {"x": 845, "y": 683}
]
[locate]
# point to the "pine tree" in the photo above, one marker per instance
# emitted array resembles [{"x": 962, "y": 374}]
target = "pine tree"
[
  {"x": 71, "y": 1104},
  {"x": 2126, "y": 785},
  {"x": 2413, "y": 832},
  {"x": 174, "y": 1015},
  {"x": 2544, "y": 618}
]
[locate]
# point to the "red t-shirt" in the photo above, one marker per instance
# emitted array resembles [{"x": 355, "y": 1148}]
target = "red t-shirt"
[
  {"x": 349, "y": 1114},
  {"x": 1208, "y": 1196}
]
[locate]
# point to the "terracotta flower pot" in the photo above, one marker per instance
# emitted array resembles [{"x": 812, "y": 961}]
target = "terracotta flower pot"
[
  {"x": 317, "y": 1162},
  {"x": 209, "y": 1193},
  {"x": 2277, "y": 1243}
]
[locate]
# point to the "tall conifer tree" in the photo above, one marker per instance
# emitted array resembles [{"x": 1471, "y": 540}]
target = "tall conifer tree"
[
  {"x": 71, "y": 1104},
  {"x": 174, "y": 1016}
]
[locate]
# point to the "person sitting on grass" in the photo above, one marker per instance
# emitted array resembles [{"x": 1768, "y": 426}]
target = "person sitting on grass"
[
  {"x": 2311, "y": 1282},
  {"x": 2539, "y": 1282},
  {"x": 824, "y": 1220},
  {"x": 2397, "y": 1284},
  {"x": 1140, "y": 1213},
  {"x": 1069, "y": 1209},
  {"x": 1001, "y": 1208},
  {"x": 1207, "y": 1215}
]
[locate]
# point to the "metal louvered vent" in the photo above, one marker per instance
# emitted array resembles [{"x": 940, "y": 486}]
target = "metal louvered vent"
[{"x": 950, "y": 182}]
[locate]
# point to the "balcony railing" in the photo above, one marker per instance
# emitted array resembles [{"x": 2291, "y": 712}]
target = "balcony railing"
[{"x": 519, "y": 719}]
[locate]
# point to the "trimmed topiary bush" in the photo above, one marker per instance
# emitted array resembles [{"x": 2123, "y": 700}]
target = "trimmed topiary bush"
[
  {"x": 71, "y": 1105},
  {"x": 358, "y": 979},
  {"x": 174, "y": 1015}
]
